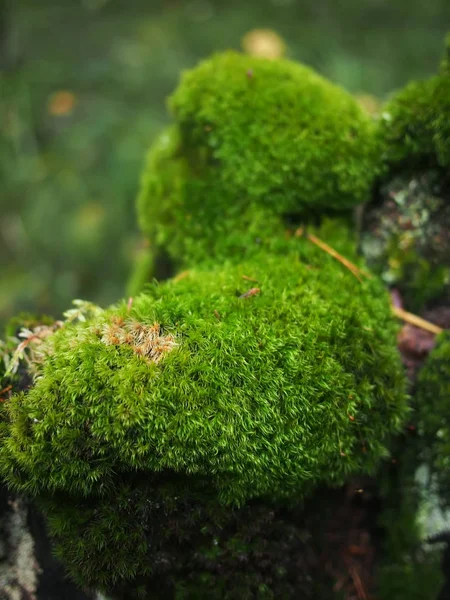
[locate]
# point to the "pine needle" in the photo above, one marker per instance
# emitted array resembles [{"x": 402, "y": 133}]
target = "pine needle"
[
  {"x": 415, "y": 320},
  {"x": 357, "y": 272},
  {"x": 358, "y": 583},
  {"x": 181, "y": 276}
]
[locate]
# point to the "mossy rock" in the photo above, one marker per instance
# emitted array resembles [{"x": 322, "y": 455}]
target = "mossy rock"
[
  {"x": 433, "y": 406},
  {"x": 406, "y": 237},
  {"x": 410, "y": 564},
  {"x": 409, "y": 567},
  {"x": 253, "y": 140},
  {"x": 416, "y": 490},
  {"x": 264, "y": 389}
]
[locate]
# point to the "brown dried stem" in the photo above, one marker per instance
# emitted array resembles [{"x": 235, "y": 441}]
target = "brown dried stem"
[
  {"x": 416, "y": 321},
  {"x": 357, "y": 272}
]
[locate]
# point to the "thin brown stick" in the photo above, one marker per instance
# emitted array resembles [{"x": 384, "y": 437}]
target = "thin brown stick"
[
  {"x": 181, "y": 276},
  {"x": 252, "y": 292},
  {"x": 129, "y": 303},
  {"x": 416, "y": 321},
  {"x": 399, "y": 312},
  {"x": 358, "y": 584},
  {"x": 357, "y": 272}
]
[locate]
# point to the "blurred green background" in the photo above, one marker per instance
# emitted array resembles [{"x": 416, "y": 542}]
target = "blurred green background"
[{"x": 83, "y": 88}]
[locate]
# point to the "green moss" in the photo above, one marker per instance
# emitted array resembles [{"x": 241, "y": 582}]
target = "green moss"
[
  {"x": 265, "y": 395},
  {"x": 164, "y": 540},
  {"x": 433, "y": 406},
  {"x": 409, "y": 566},
  {"x": 415, "y": 125},
  {"x": 412, "y": 575},
  {"x": 253, "y": 140}
]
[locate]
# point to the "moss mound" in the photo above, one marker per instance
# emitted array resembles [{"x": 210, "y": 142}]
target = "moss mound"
[
  {"x": 265, "y": 389},
  {"x": 416, "y": 125},
  {"x": 161, "y": 438},
  {"x": 253, "y": 139}
]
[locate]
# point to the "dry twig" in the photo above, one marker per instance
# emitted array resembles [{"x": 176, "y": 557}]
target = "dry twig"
[
  {"x": 415, "y": 320},
  {"x": 252, "y": 292},
  {"x": 181, "y": 276},
  {"x": 357, "y": 272},
  {"x": 358, "y": 583}
]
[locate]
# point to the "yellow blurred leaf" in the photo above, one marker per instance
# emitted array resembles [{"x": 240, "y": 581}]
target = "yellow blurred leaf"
[{"x": 263, "y": 42}]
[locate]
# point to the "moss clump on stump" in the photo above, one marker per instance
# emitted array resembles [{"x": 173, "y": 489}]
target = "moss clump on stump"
[
  {"x": 262, "y": 372},
  {"x": 253, "y": 381},
  {"x": 253, "y": 140}
]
